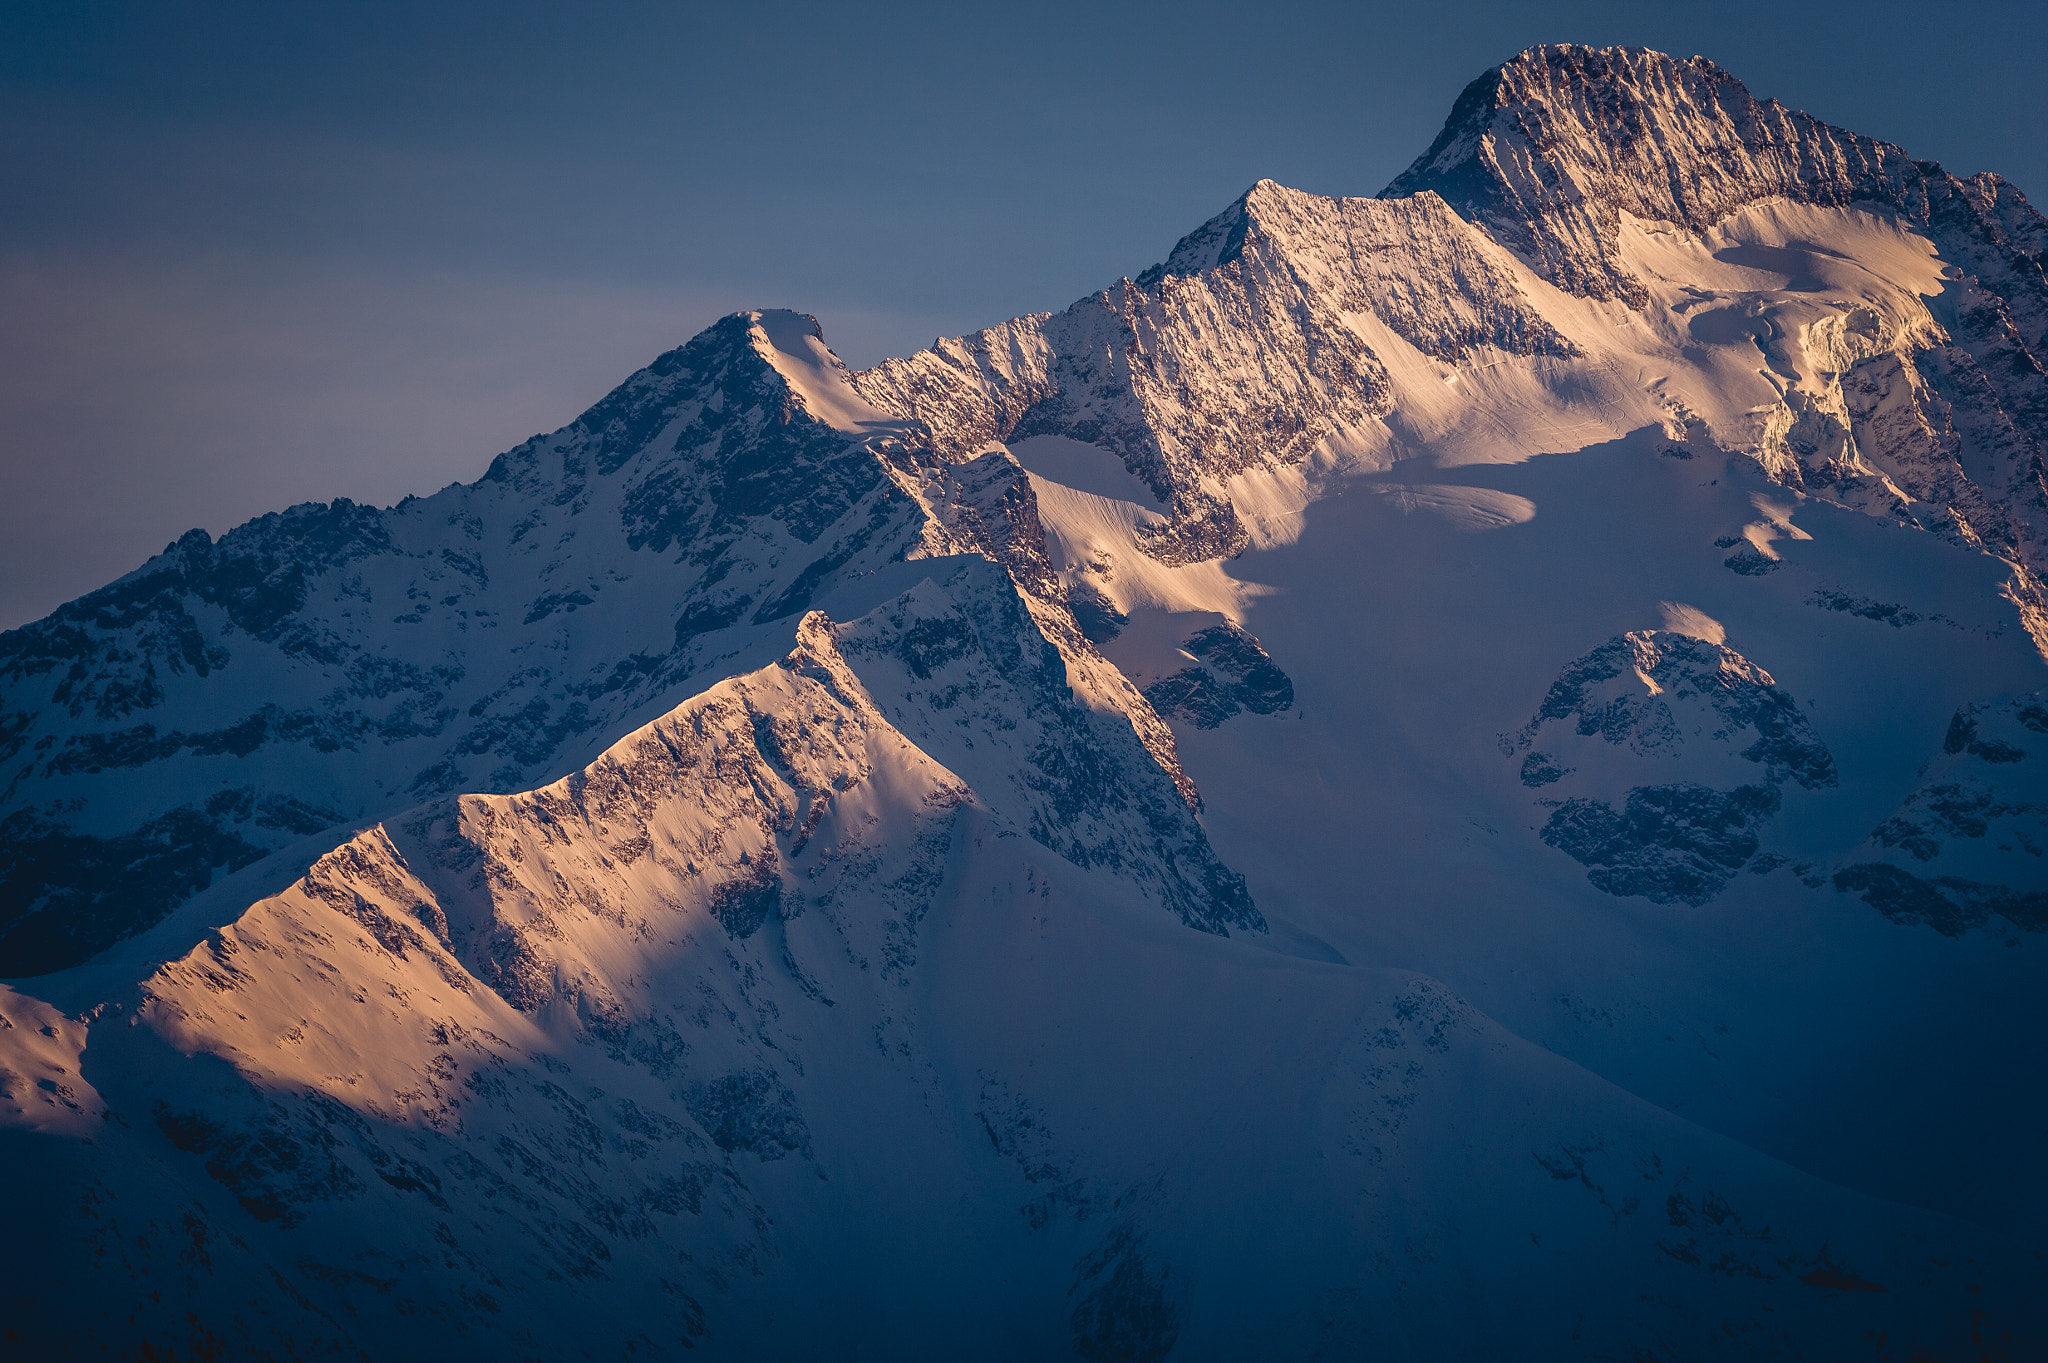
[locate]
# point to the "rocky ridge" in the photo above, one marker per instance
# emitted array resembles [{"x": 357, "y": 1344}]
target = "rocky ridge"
[
  {"x": 1235, "y": 355},
  {"x": 1651, "y": 694},
  {"x": 762, "y": 855},
  {"x": 1551, "y": 151},
  {"x": 228, "y": 698}
]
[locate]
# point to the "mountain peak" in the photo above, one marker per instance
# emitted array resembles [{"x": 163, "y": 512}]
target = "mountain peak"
[
  {"x": 1548, "y": 149},
  {"x": 793, "y": 344}
]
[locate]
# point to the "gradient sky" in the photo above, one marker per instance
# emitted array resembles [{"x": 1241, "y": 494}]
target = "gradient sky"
[{"x": 255, "y": 254}]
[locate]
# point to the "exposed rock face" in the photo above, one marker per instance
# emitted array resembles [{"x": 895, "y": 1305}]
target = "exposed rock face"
[
  {"x": 1234, "y": 354},
  {"x": 1653, "y": 694},
  {"x": 1603, "y": 695},
  {"x": 1411, "y": 262},
  {"x": 1971, "y": 841},
  {"x": 765, "y": 763},
  {"x": 1550, "y": 150},
  {"x": 586, "y": 575},
  {"x": 1677, "y": 842},
  {"x": 982, "y": 689},
  {"x": 775, "y": 842},
  {"x": 1232, "y": 674}
]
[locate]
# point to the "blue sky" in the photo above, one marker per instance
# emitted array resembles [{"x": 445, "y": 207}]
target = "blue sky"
[{"x": 266, "y": 253}]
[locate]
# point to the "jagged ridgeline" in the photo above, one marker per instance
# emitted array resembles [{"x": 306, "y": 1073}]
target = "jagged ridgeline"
[
  {"x": 332, "y": 663},
  {"x": 1457, "y": 773}
]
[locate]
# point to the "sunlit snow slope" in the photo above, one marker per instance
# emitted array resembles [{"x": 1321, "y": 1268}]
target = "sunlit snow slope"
[{"x": 1458, "y": 774}]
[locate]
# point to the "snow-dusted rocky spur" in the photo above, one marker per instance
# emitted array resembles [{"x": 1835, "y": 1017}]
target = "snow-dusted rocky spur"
[{"x": 1458, "y": 774}]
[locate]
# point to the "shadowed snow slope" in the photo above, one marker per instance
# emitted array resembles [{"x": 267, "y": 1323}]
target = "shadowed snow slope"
[{"x": 1458, "y": 774}]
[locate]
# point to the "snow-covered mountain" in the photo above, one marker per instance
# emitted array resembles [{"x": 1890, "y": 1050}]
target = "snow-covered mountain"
[
  {"x": 1458, "y": 774},
  {"x": 336, "y": 663}
]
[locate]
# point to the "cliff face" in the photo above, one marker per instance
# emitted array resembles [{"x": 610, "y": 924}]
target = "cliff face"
[
  {"x": 1239, "y": 353},
  {"x": 1549, "y": 149},
  {"x": 336, "y": 663}
]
